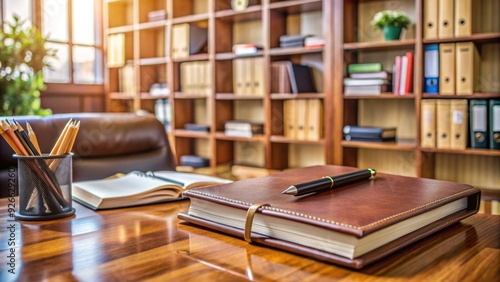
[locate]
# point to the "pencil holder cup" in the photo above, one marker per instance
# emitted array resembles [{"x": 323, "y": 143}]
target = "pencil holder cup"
[{"x": 44, "y": 187}]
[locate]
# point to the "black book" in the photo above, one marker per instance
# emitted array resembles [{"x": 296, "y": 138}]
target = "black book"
[{"x": 301, "y": 79}]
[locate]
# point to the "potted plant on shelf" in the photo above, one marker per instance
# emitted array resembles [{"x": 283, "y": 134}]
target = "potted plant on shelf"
[
  {"x": 391, "y": 22},
  {"x": 22, "y": 58}
]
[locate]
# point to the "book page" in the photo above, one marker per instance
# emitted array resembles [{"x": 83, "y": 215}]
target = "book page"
[
  {"x": 128, "y": 185},
  {"x": 191, "y": 180}
]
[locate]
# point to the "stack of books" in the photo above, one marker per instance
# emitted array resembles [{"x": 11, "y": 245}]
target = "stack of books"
[
  {"x": 369, "y": 134},
  {"x": 292, "y": 40},
  {"x": 314, "y": 41},
  {"x": 367, "y": 79},
  {"x": 240, "y": 128}
]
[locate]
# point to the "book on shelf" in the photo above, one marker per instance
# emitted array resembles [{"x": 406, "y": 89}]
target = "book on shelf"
[
  {"x": 364, "y": 67},
  {"x": 194, "y": 161},
  {"x": 369, "y": 133},
  {"x": 241, "y": 128},
  {"x": 403, "y": 78},
  {"x": 346, "y": 226},
  {"x": 293, "y": 40},
  {"x": 197, "y": 127},
  {"x": 280, "y": 81},
  {"x": 138, "y": 188},
  {"x": 301, "y": 78},
  {"x": 354, "y": 90},
  {"x": 314, "y": 41},
  {"x": 372, "y": 75},
  {"x": 246, "y": 49},
  {"x": 364, "y": 82}
]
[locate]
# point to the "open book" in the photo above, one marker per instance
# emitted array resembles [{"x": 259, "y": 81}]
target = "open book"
[{"x": 138, "y": 188}]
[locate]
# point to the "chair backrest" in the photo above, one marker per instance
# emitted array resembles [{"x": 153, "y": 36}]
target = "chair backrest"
[{"x": 106, "y": 144}]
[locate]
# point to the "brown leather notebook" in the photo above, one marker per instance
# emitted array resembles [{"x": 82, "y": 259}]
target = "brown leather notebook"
[{"x": 353, "y": 226}]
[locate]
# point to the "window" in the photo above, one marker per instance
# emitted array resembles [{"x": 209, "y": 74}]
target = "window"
[{"x": 73, "y": 28}]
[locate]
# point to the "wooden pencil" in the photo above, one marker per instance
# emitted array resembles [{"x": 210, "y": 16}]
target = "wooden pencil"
[{"x": 33, "y": 138}]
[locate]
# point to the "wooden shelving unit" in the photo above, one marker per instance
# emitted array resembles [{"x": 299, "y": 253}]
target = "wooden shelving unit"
[{"x": 344, "y": 24}]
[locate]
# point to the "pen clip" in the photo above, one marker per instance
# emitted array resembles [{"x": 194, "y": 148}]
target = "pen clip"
[{"x": 331, "y": 179}]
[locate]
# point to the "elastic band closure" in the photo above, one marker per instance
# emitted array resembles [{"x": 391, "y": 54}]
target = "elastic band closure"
[
  {"x": 331, "y": 179},
  {"x": 249, "y": 221}
]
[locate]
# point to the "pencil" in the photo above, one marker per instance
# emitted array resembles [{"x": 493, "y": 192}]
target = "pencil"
[
  {"x": 61, "y": 137},
  {"x": 27, "y": 139},
  {"x": 6, "y": 128},
  {"x": 9, "y": 141},
  {"x": 20, "y": 137},
  {"x": 33, "y": 138}
]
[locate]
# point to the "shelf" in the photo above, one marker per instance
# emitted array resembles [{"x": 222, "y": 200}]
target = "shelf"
[
  {"x": 120, "y": 29},
  {"x": 287, "y": 96},
  {"x": 297, "y": 6},
  {"x": 381, "y": 96},
  {"x": 400, "y": 145},
  {"x": 152, "y": 25},
  {"x": 195, "y": 57},
  {"x": 231, "y": 96},
  {"x": 468, "y": 151},
  {"x": 191, "y": 133},
  {"x": 232, "y": 56},
  {"x": 222, "y": 136},
  {"x": 121, "y": 96},
  {"x": 294, "y": 51},
  {"x": 473, "y": 96},
  {"x": 253, "y": 12},
  {"x": 181, "y": 95},
  {"x": 190, "y": 18},
  {"x": 148, "y": 96},
  {"x": 493, "y": 37},
  {"x": 380, "y": 46},
  {"x": 283, "y": 139}
]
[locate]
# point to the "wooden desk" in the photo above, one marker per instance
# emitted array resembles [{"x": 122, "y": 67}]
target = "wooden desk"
[{"x": 149, "y": 242}]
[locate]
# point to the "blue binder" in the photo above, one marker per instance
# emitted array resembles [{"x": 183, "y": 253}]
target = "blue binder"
[{"x": 431, "y": 69}]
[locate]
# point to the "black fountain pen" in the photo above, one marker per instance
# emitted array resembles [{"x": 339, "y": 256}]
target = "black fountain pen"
[{"x": 330, "y": 182}]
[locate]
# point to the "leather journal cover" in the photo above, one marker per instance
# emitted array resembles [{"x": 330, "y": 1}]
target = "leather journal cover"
[{"x": 362, "y": 211}]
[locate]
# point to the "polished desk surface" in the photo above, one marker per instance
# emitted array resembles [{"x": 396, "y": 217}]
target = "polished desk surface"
[{"x": 150, "y": 243}]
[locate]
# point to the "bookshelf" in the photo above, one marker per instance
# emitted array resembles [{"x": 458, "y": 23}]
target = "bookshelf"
[
  {"x": 349, "y": 38},
  {"x": 474, "y": 166}
]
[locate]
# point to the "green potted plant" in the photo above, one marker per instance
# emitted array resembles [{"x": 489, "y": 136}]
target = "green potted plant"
[
  {"x": 391, "y": 22},
  {"x": 22, "y": 58}
]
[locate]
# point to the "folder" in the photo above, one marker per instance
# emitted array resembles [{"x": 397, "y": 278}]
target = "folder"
[
  {"x": 430, "y": 20},
  {"x": 290, "y": 119},
  {"x": 431, "y": 69},
  {"x": 478, "y": 120},
  {"x": 446, "y": 18},
  {"x": 314, "y": 119},
  {"x": 301, "y": 112},
  {"x": 428, "y": 123},
  {"x": 238, "y": 77},
  {"x": 467, "y": 68},
  {"x": 443, "y": 124},
  {"x": 258, "y": 76},
  {"x": 463, "y": 17},
  {"x": 494, "y": 113},
  {"x": 459, "y": 120},
  {"x": 187, "y": 40},
  {"x": 447, "y": 68}
]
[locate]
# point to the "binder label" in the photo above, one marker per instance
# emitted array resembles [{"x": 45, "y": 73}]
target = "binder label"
[
  {"x": 457, "y": 117},
  {"x": 479, "y": 122},
  {"x": 496, "y": 120}
]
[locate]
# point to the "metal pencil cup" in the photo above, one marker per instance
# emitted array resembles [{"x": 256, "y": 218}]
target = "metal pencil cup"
[{"x": 44, "y": 187}]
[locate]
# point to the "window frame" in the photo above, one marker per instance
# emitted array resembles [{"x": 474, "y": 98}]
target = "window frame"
[{"x": 71, "y": 87}]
